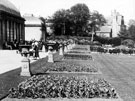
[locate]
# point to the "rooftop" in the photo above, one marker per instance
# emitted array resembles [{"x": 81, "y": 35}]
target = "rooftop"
[
  {"x": 32, "y": 20},
  {"x": 8, "y": 7}
]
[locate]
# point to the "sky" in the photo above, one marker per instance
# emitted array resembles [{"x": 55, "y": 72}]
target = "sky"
[{"x": 47, "y": 8}]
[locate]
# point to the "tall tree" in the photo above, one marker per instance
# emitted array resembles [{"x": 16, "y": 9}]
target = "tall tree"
[
  {"x": 60, "y": 18},
  {"x": 80, "y": 17},
  {"x": 131, "y": 31},
  {"x": 97, "y": 20}
]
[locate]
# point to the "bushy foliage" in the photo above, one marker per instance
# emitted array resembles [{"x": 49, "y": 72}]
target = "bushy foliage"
[
  {"x": 76, "y": 21},
  {"x": 55, "y": 86}
]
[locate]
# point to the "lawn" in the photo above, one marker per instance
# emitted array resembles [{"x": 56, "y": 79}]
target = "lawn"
[{"x": 93, "y": 84}]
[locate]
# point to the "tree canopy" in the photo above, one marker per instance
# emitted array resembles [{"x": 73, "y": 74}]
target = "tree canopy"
[{"x": 75, "y": 21}]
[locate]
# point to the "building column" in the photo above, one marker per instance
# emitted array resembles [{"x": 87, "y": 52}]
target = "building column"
[
  {"x": 5, "y": 30},
  {"x": 14, "y": 31},
  {"x": 17, "y": 30},
  {"x": 20, "y": 30},
  {"x": 11, "y": 31},
  {"x": 1, "y": 40}
]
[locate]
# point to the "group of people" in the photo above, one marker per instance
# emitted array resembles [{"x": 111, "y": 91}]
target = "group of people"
[{"x": 34, "y": 50}]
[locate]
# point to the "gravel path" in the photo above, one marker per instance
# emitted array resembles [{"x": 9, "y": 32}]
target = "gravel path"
[{"x": 119, "y": 70}]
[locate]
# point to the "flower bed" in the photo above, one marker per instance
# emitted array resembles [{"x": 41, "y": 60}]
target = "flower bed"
[
  {"x": 78, "y": 56},
  {"x": 69, "y": 67},
  {"x": 80, "y": 48},
  {"x": 55, "y": 86},
  {"x": 76, "y": 51}
]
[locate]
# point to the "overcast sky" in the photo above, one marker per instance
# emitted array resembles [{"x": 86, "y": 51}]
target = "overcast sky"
[{"x": 46, "y": 8}]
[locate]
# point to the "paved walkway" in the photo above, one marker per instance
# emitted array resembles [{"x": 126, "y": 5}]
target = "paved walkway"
[{"x": 10, "y": 60}]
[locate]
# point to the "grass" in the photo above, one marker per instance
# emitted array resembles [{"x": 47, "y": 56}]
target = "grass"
[{"x": 12, "y": 78}]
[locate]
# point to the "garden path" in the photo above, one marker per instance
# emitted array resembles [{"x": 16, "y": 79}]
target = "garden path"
[{"x": 10, "y": 60}]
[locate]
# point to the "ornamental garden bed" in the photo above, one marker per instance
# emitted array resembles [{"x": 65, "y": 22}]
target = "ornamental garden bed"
[
  {"x": 69, "y": 66},
  {"x": 78, "y": 48},
  {"x": 63, "y": 88},
  {"x": 77, "y": 51},
  {"x": 77, "y": 56}
]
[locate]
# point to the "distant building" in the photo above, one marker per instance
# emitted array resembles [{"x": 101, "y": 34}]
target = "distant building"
[
  {"x": 114, "y": 25},
  {"x": 105, "y": 31},
  {"x": 11, "y": 23},
  {"x": 32, "y": 27}
]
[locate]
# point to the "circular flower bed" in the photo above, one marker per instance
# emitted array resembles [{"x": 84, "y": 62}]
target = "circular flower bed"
[
  {"x": 78, "y": 56},
  {"x": 69, "y": 67},
  {"x": 54, "y": 86}
]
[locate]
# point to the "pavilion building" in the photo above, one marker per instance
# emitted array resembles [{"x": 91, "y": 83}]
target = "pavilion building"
[
  {"x": 11, "y": 23},
  {"x": 33, "y": 26}
]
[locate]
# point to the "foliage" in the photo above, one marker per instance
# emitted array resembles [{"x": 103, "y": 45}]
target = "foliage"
[
  {"x": 60, "y": 21},
  {"x": 97, "y": 20},
  {"x": 55, "y": 86},
  {"x": 69, "y": 66},
  {"x": 128, "y": 42},
  {"x": 78, "y": 56},
  {"x": 113, "y": 41},
  {"x": 131, "y": 31},
  {"x": 102, "y": 40},
  {"x": 116, "y": 41},
  {"x": 75, "y": 21},
  {"x": 81, "y": 15},
  {"x": 131, "y": 22}
]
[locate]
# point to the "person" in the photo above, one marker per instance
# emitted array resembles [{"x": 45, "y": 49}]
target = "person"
[
  {"x": 36, "y": 49},
  {"x": 31, "y": 51}
]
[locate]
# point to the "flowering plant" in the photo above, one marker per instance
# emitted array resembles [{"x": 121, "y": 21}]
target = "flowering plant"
[
  {"x": 70, "y": 66},
  {"x": 54, "y": 86},
  {"x": 78, "y": 56}
]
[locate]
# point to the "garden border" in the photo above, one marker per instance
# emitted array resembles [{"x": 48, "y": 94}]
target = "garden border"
[
  {"x": 65, "y": 72},
  {"x": 64, "y": 99}
]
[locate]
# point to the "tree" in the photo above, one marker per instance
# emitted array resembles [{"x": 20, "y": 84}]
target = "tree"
[
  {"x": 131, "y": 31},
  {"x": 131, "y": 22},
  {"x": 80, "y": 16},
  {"x": 97, "y": 20},
  {"x": 60, "y": 18},
  {"x": 75, "y": 21}
]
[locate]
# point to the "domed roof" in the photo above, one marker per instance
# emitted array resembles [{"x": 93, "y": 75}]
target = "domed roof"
[{"x": 7, "y": 6}]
